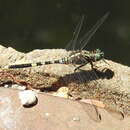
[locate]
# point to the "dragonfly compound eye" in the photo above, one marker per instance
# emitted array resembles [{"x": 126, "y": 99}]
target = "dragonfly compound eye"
[{"x": 99, "y": 55}]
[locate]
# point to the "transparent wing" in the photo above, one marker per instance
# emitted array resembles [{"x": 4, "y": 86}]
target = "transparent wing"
[
  {"x": 86, "y": 38},
  {"x": 71, "y": 45}
]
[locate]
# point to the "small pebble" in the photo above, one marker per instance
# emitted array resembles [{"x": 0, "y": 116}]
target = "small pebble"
[
  {"x": 28, "y": 98},
  {"x": 19, "y": 87},
  {"x": 62, "y": 92},
  {"x": 7, "y": 86},
  {"x": 47, "y": 114},
  {"x": 76, "y": 118}
]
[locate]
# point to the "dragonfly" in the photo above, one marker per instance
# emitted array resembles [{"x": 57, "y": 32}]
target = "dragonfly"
[{"x": 79, "y": 56}]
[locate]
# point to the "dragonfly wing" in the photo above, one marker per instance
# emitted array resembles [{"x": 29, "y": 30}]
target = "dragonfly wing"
[
  {"x": 86, "y": 38},
  {"x": 71, "y": 45}
]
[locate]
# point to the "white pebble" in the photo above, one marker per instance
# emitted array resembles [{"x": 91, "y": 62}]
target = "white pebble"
[
  {"x": 28, "y": 97},
  {"x": 76, "y": 118},
  {"x": 6, "y": 86},
  {"x": 19, "y": 87}
]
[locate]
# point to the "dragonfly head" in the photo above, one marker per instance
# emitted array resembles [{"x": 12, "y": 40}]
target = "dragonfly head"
[{"x": 99, "y": 55}]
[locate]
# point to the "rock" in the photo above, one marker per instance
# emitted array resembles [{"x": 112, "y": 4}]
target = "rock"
[
  {"x": 53, "y": 113},
  {"x": 110, "y": 84}
]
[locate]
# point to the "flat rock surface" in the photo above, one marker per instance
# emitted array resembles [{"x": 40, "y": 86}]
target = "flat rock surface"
[{"x": 52, "y": 113}]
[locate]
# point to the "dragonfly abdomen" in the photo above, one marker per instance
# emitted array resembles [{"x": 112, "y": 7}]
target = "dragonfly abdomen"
[{"x": 26, "y": 65}]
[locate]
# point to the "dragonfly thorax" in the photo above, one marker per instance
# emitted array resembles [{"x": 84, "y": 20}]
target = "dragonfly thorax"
[
  {"x": 96, "y": 55},
  {"x": 83, "y": 57}
]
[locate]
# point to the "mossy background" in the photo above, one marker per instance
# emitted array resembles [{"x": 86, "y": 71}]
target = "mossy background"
[{"x": 29, "y": 24}]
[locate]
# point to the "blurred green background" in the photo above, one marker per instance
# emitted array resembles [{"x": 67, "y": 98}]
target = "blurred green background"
[{"x": 37, "y": 24}]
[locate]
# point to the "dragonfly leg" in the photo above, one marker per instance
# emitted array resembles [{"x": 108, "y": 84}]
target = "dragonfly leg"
[
  {"x": 77, "y": 68},
  {"x": 94, "y": 67}
]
